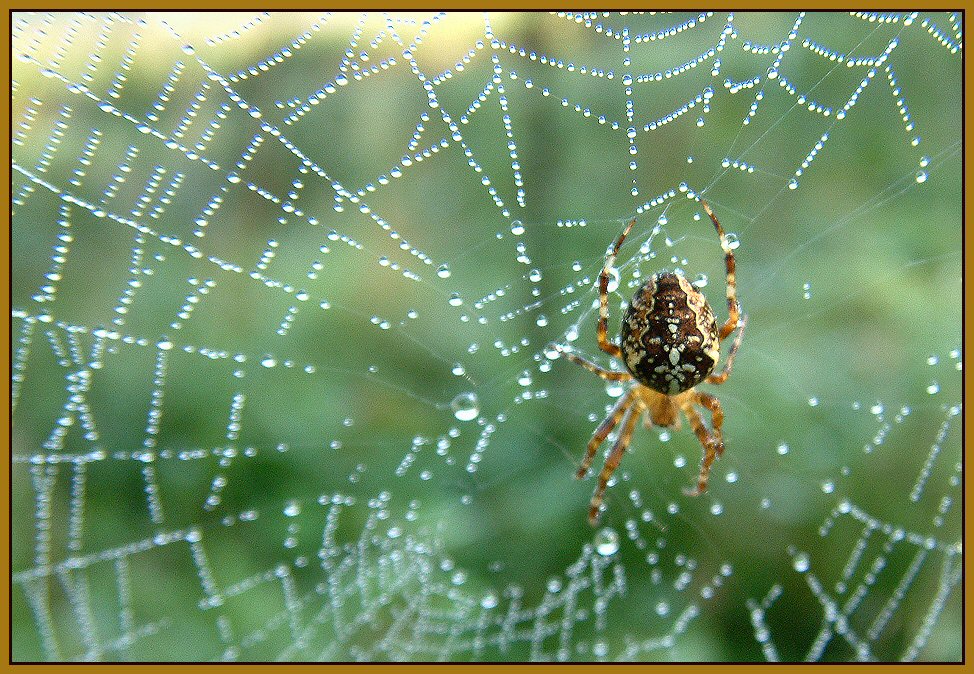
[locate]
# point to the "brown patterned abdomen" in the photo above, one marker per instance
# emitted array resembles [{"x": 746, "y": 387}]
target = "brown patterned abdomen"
[{"x": 669, "y": 335}]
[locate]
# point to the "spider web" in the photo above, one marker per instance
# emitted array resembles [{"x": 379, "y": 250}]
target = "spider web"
[{"x": 286, "y": 295}]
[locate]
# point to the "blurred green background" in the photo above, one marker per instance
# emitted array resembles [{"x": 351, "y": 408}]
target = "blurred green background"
[{"x": 263, "y": 264}]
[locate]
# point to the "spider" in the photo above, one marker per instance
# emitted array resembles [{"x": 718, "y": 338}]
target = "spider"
[{"x": 669, "y": 342}]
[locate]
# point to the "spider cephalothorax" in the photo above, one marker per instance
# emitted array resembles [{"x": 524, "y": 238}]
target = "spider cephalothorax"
[{"x": 669, "y": 342}]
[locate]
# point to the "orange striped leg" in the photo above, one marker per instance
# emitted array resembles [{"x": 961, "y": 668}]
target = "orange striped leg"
[
  {"x": 732, "y": 306},
  {"x": 608, "y": 375},
  {"x": 713, "y": 447},
  {"x": 615, "y": 457},
  {"x": 602, "y": 432},
  {"x": 725, "y": 373},
  {"x": 610, "y": 258},
  {"x": 716, "y": 417}
]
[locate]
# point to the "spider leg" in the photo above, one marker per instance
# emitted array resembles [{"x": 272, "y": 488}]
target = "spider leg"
[
  {"x": 615, "y": 457},
  {"x": 602, "y": 432},
  {"x": 721, "y": 377},
  {"x": 733, "y": 308},
  {"x": 610, "y": 258},
  {"x": 716, "y": 417},
  {"x": 608, "y": 375},
  {"x": 713, "y": 444}
]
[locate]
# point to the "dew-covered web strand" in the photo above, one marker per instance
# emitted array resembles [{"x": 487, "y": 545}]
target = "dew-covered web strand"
[
  {"x": 771, "y": 127},
  {"x": 870, "y": 62},
  {"x": 134, "y": 224},
  {"x": 896, "y": 189},
  {"x": 474, "y": 618}
]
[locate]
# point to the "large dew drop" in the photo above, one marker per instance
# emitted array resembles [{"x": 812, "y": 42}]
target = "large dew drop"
[
  {"x": 606, "y": 541},
  {"x": 465, "y": 406}
]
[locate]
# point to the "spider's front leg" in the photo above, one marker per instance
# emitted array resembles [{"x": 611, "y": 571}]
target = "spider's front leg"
[
  {"x": 615, "y": 458},
  {"x": 712, "y": 442},
  {"x": 602, "y": 432},
  {"x": 716, "y": 416}
]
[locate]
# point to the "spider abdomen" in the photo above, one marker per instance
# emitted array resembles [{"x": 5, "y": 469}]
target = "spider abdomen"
[{"x": 669, "y": 336}]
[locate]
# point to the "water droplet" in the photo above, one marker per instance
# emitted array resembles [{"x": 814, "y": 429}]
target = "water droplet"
[
  {"x": 606, "y": 541},
  {"x": 921, "y": 176},
  {"x": 268, "y": 361},
  {"x": 733, "y": 242},
  {"x": 614, "y": 389},
  {"x": 783, "y": 448},
  {"x": 613, "y": 284},
  {"x": 716, "y": 509},
  {"x": 443, "y": 271},
  {"x": 813, "y": 402},
  {"x": 933, "y": 388},
  {"x": 535, "y": 275},
  {"x": 455, "y": 300},
  {"x": 828, "y": 487},
  {"x": 489, "y": 601},
  {"x": 801, "y": 562},
  {"x": 517, "y": 229},
  {"x": 662, "y": 608},
  {"x": 458, "y": 370},
  {"x": 292, "y": 509},
  {"x": 465, "y": 406},
  {"x": 793, "y": 184},
  {"x": 542, "y": 321},
  {"x": 524, "y": 379}
]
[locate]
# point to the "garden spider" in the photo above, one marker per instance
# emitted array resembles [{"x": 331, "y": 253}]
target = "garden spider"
[{"x": 669, "y": 342}]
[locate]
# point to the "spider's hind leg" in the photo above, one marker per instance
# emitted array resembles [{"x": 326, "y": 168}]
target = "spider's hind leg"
[
  {"x": 602, "y": 326},
  {"x": 733, "y": 308},
  {"x": 594, "y": 368},
  {"x": 722, "y": 376}
]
